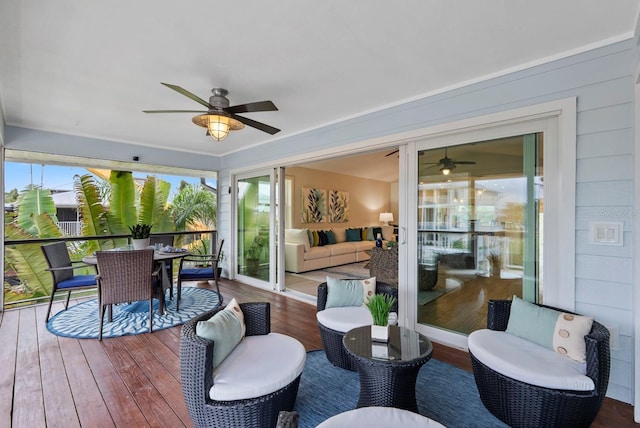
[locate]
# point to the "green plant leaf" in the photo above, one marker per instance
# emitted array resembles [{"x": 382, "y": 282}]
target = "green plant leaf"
[
  {"x": 123, "y": 197},
  {"x": 31, "y": 203}
]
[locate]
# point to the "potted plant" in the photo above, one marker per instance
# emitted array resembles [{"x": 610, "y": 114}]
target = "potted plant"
[
  {"x": 380, "y": 305},
  {"x": 252, "y": 255},
  {"x": 140, "y": 235},
  {"x": 495, "y": 262}
]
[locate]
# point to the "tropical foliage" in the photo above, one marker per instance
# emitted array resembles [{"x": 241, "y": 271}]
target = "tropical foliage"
[{"x": 128, "y": 204}]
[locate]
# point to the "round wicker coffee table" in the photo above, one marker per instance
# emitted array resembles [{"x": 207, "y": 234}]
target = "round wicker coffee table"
[{"x": 388, "y": 370}]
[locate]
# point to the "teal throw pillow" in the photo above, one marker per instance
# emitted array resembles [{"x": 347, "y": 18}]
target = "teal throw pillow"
[
  {"x": 331, "y": 237},
  {"x": 532, "y": 322},
  {"x": 225, "y": 329},
  {"x": 563, "y": 332},
  {"x": 344, "y": 292},
  {"x": 354, "y": 235}
]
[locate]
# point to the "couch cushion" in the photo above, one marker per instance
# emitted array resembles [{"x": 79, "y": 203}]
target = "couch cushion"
[
  {"x": 342, "y": 248},
  {"x": 344, "y": 318},
  {"x": 340, "y": 234},
  {"x": 560, "y": 331},
  {"x": 317, "y": 253},
  {"x": 528, "y": 362},
  {"x": 364, "y": 245},
  {"x": 225, "y": 329},
  {"x": 259, "y": 365},
  {"x": 297, "y": 236}
]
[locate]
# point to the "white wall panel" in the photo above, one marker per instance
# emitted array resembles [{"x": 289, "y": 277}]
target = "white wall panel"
[
  {"x": 625, "y": 214},
  {"x": 613, "y": 294}
]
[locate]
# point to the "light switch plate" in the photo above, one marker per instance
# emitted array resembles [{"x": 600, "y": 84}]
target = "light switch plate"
[{"x": 606, "y": 233}]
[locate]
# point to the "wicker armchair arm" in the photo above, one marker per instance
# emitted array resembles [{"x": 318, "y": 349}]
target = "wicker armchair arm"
[
  {"x": 196, "y": 362},
  {"x": 598, "y": 356},
  {"x": 321, "y": 303},
  {"x": 257, "y": 318},
  {"x": 498, "y": 312}
]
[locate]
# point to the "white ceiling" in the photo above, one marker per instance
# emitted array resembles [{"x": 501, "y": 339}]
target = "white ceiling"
[{"x": 89, "y": 68}]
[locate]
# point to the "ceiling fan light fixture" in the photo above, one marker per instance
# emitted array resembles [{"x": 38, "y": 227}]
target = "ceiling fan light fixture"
[
  {"x": 445, "y": 170},
  {"x": 218, "y": 125}
]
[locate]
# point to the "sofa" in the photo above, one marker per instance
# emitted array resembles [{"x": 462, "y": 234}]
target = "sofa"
[{"x": 307, "y": 249}]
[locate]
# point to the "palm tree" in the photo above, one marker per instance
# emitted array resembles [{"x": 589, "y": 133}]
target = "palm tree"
[{"x": 194, "y": 207}]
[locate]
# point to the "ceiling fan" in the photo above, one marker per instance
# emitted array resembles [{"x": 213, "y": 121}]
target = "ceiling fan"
[
  {"x": 448, "y": 164},
  {"x": 220, "y": 118}
]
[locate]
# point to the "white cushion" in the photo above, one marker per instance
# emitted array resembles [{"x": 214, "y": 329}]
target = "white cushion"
[
  {"x": 297, "y": 236},
  {"x": 344, "y": 318},
  {"x": 259, "y": 365},
  {"x": 528, "y": 362},
  {"x": 367, "y": 417}
]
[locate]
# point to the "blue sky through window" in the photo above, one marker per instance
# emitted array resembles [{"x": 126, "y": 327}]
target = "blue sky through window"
[{"x": 20, "y": 175}]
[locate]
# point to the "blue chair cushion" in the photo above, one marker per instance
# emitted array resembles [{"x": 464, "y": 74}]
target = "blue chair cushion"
[
  {"x": 78, "y": 281},
  {"x": 196, "y": 273}
]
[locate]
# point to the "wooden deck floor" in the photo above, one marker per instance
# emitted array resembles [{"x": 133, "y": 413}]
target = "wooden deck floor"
[{"x": 134, "y": 381}]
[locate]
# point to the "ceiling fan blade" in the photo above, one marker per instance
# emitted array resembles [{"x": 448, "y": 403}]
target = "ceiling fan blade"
[
  {"x": 464, "y": 162},
  {"x": 173, "y": 111},
  {"x": 392, "y": 153},
  {"x": 187, "y": 94},
  {"x": 255, "y": 124},
  {"x": 251, "y": 107}
]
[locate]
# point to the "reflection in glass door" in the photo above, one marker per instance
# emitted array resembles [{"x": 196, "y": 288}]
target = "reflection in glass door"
[
  {"x": 480, "y": 209},
  {"x": 254, "y": 217}
]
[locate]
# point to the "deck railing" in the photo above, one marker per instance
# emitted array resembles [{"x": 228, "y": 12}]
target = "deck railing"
[{"x": 13, "y": 284}]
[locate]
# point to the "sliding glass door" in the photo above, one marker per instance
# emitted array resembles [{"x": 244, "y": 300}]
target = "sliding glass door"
[
  {"x": 480, "y": 210},
  {"x": 258, "y": 222}
]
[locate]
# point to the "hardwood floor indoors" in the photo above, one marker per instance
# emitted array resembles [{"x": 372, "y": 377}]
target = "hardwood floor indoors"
[{"x": 134, "y": 381}]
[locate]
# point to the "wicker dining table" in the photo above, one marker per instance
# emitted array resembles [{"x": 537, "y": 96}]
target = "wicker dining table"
[
  {"x": 388, "y": 370},
  {"x": 159, "y": 256}
]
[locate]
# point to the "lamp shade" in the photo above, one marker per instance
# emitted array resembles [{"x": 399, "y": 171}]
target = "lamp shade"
[
  {"x": 386, "y": 218},
  {"x": 218, "y": 125}
]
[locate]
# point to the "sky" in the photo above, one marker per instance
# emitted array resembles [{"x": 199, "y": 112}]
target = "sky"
[{"x": 55, "y": 177}]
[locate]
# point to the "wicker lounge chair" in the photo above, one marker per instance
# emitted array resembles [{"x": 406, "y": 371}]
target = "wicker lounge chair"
[
  {"x": 520, "y": 404},
  {"x": 332, "y": 339},
  {"x": 197, "y": 377}
]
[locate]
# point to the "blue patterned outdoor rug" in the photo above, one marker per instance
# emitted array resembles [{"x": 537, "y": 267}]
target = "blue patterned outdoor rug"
[
  {"x": 81, "y": 321},
  {"x": 444, "y": 393}
]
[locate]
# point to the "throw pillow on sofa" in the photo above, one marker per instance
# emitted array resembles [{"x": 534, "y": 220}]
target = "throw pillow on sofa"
[
  {"x": 354, "y": 235},
  {"x": 331, "y": 237},
  {"x": 561, "y": 331}
]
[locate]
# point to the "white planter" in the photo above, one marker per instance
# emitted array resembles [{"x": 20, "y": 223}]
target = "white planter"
[
  {"x": 380, "y": 333},
  {"x": 140, "y": 244}
]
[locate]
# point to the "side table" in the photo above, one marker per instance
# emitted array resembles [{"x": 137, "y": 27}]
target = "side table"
[{"x": 388, "y": 371}]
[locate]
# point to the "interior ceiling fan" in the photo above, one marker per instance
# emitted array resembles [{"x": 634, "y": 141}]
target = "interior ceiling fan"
[
  {"x": 448, "y": 164},
  {"x": 220, "y": 118}
]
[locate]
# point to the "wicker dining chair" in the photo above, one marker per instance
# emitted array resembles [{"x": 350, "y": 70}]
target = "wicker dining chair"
[
  {"x": 61, "y": 268},
  {"x": 127, "y": 276},
  {"x": 199, "y": 267},
  {"x": 165, "y": 241}
]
